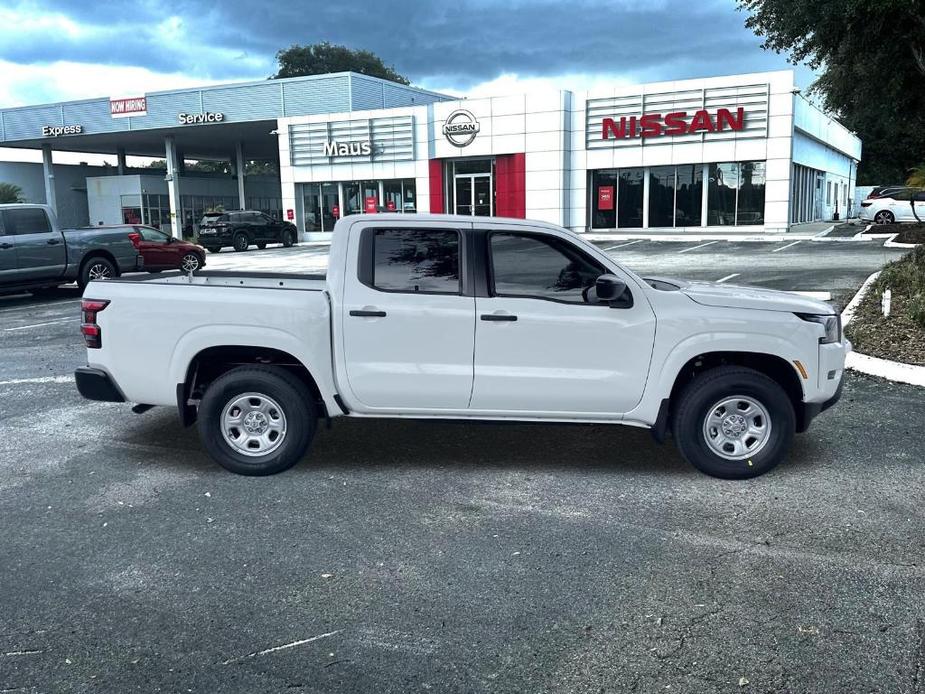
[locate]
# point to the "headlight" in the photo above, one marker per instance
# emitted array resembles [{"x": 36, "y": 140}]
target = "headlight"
[{"x": 831, "y": 324}]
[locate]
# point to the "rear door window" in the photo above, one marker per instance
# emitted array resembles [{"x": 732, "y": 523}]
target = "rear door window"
[
  {"x": 29, "y": 220},
  {"x": 416, "y": 261}
]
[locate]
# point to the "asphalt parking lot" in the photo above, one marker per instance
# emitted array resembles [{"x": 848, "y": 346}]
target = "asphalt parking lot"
[{"x": 412, "y": 556}]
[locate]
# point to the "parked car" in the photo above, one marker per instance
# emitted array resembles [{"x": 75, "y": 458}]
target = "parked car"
[
  {"x": 884, "y": 191},
  {"x": 243, "y": 228},
  {"x": 164, "y": 252},
  {"x": 446, "y": 317},
  {"x": 896, "y": 207},
  {"x": 36, "y": 254}
]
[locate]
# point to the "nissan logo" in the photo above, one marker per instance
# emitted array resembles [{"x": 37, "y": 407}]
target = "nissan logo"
[{"x": 460, "y": 128}]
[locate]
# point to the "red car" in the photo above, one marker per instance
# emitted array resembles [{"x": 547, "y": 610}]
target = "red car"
[{"x": 163, "y": 252}]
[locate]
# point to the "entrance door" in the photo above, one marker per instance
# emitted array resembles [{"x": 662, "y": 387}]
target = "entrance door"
[{"x": 473, "y": 195}]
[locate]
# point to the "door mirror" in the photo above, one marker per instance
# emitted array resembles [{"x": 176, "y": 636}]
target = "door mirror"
[{"x": 609, "y": 287}]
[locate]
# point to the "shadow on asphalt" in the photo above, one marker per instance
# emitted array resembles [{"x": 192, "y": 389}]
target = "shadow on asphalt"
[
  {"x": 46, "y": 296},
  {"x": 407, "y": 444}
]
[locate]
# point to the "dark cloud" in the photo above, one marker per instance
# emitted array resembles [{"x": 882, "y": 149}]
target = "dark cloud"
[{"x": 456, "y": 43}]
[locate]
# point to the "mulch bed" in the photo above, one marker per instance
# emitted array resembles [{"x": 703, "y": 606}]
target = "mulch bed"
[
  {"x": 897, "y": 338},
  {"x": 908, "y": 233}
]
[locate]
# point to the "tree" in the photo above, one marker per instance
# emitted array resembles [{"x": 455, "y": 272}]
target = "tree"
[
  {"x": 917, "y": 176},
  {"x": 321, "y": 58},
  {"x": 871, "y": 59},
  {"x": 10, "y": 193}
]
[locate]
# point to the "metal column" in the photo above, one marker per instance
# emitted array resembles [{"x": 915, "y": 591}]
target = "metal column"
[
  {"x": 173, "y": 187},
  {"x": 239, "y": 169},
  {"x": 49, "y": 170}
]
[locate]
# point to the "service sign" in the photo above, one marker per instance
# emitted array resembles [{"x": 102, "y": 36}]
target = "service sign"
[
  {"x": 128, "y": 106},
  {"x": 200, "y": 118}
]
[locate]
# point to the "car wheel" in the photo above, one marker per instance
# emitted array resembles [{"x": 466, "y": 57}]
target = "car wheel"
[
  {"x": 257, "y": 420},
  {"x": 734, "y": 422},
  {"x": 240, "y": 242},
  {"x": 288, "y": 239},
  {"x": 213, "y": 249},
  {"x": 262, "y": 245},
  {"x": 96, "y": 269},
  {"x": 190, "y": 262},
  {"x": 884, "y": 217}
]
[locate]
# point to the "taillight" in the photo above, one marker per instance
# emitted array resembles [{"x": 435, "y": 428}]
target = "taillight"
[
  {"x": 135, "y": 238},
  {"x": 93, "y": 336}
]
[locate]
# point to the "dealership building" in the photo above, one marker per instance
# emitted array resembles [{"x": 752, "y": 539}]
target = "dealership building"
[{"x": 739, "y": 154}]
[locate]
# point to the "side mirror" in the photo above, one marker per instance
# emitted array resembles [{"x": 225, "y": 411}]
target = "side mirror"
[{"x": 609, "y": 287}]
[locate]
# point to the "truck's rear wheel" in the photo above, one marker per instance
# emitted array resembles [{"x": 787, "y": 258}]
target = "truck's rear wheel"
[
  {"x": 96, "y": 268},
  {"x": 734, "y": 422},
  {"x": 257, "y": 420}
]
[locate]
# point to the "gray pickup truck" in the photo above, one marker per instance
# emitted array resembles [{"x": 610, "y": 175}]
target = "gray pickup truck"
[{"x": 36, "y": 254}]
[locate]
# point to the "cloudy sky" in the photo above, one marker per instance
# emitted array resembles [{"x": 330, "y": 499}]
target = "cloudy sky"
[{"x": 52, "y": 50}]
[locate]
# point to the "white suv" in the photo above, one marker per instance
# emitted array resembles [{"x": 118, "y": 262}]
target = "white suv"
[{"x": 894, "y": 208}]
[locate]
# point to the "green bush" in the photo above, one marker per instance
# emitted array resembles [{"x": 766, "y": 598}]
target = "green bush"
[
  {"x": 917, "y": 310},
  {"x": 906, "y": 277}
]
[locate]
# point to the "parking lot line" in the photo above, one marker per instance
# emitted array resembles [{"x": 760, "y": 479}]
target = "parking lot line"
[
  {"x": 728, "y": 277},
  {"x": 623, "y": 245},
  {"x": 38, "y": 325},
  {"x": 40, "y": 379},
  {"x": 702, "y": 245},
  {"x": 784, "y": 248},
  {"x": 34, "y": 307}
]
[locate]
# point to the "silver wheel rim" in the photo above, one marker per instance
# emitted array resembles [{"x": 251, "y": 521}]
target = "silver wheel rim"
[
  {"x": 882, "y": 218},
  {"x": 241, "y": 242},
  {"x": 99, "y": 271},
  {"x": 190, "y": 262},
  {"x": 253, "y": 424},
  {"x": 737, "y": 427}
]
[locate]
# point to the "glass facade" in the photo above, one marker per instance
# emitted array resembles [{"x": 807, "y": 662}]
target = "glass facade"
[
  {"x": 324, "y": 203},
  {"x": 673, "y": 196}
]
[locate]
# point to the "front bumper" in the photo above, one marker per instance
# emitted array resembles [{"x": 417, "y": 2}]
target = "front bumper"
[
  {"x": 96, "y": 384},
  {"x": 811, "y": 410}
]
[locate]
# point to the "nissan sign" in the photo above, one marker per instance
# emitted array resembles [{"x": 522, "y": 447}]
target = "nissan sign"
[{"x": 460, "y": 128}]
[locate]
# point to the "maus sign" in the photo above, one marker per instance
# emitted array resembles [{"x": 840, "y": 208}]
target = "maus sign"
[
  {"x": 347, "y": 149},
  {"x": 675, "y": 123}
]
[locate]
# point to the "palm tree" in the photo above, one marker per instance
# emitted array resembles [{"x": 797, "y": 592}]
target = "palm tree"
[{"x": 10, "y": 193}]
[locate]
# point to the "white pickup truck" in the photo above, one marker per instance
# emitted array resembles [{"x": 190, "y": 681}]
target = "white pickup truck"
[{"x": 445, "y": 317}]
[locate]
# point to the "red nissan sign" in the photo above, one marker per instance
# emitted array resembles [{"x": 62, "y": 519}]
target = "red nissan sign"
[
  {"x": 372, "y": 204},
  {"x": 605, "y": 198},
  {"x": 290, "y": 214},
  {"x": 675, "y": 123}
]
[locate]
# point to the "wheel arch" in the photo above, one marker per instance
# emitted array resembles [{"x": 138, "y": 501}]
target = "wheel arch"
[
  {"x": 211, "y": 362},
  {"x": 771, "y": 365}
]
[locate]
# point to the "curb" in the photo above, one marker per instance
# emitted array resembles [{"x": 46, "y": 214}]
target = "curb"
[{"x": 875, "y": 366}]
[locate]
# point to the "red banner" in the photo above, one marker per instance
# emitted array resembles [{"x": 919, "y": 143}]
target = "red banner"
[
  {"x": 290, "y": 214},
  {"x": 372, "y": 204},
  {"x": 605, "y": 198},
  {"x": 335, "y": 211},
  {"x": 390, "y": 206}
]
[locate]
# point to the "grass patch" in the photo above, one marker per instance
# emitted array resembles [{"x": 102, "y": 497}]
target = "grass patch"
[{"x": 901, "y": 337}]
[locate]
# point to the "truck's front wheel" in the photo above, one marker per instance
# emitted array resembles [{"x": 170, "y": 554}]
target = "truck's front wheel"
[
  {"x": 257, "y": 420},
  {"x": 734, "y": 422}
]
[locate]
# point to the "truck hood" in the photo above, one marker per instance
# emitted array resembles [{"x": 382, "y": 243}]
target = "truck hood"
[{"x": 737, "y": 296}]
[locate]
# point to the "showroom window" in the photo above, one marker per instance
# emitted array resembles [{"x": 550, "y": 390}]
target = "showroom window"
[
  {"x": 675, "y": 197},
  {"x": 416, "y": 261},
  {"x": 736, "y": 194}
]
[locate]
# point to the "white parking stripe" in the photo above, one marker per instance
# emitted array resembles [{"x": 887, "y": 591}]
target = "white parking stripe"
[
  {"x": 702, "y": 245},
  {"x": 38, "y": 307},
  {"x": 39, "y": 325},
  {"x": 41, "y": 379},
  {"x": 784, "y": 248},
  {"x": 728, "y": 277},
  {"x": 623, "y": 245}
]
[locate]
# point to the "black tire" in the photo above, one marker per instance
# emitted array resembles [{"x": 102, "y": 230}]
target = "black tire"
[
  {"x": 191, "y": 261},
  {"x": 288, "y": 238},
  {"x": 884, "y": 217},
  {"x": 96, "y": 267},
  {"x": 262, "y": 245},
  {"x": 214, "y": 249},
  {"x": 240, "y": 242},
  {"x": 699, "y": 399},
  {"x": 273, "y": 383}
]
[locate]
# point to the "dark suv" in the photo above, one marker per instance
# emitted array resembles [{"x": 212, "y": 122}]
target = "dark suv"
[{"x": 242, "y": 228}]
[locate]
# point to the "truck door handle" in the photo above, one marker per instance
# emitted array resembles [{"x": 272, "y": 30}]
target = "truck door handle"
[
  {"x": 53, "y": 242},
  {"x": 368, "y": 314},
  {"x": 498, "y": 317}
]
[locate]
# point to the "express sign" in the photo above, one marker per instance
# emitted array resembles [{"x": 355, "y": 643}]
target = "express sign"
[{"x": 671, "y": 124}]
